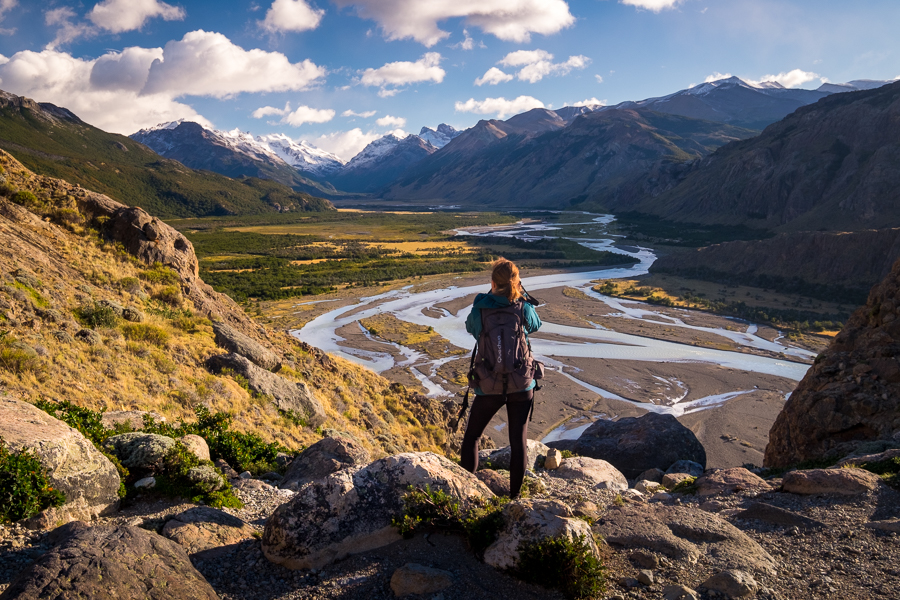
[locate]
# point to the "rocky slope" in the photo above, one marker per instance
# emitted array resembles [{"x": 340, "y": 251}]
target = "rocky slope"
[
  {"x": 68, "y": 252},
  {"x": 831, "y": 165},
  {"x": 838, "y": 266},
  {"x": 849, "y": 396},
  {"x": 537, "y": 159},
  {"x": 52, "y": 141}
]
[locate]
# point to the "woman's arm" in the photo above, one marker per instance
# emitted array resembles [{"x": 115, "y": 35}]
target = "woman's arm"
[
  {"x": 473, "y": 322},
  {"x": 532, "y": 320}
]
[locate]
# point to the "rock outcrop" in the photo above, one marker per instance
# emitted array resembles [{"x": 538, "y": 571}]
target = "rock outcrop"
[
  {"x": 350, "y": 511},
  {"x": 287, "y": 395},
  {"x": 206, "y": 530},
  {"x": 327, "y": 456},
  {"x": 636, "y": 444},
  {"x": 684, "y": 535},
  {"x": 136, "y": 450},
  {"x": 499, "y": 458},
  {"x": 850, "y": 394},
  {"x": 232, "y": 340},
  {"x": 111, "y": 563},
  {"x": 598, "y": 473},
  {"x": 75, "y": 467}
]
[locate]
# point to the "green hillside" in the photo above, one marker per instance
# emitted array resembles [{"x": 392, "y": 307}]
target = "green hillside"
[{"x": 52, "y": 141}]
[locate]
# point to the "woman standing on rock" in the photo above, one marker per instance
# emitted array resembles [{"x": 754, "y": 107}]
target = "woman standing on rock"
[{"x": 502, "y": 370}]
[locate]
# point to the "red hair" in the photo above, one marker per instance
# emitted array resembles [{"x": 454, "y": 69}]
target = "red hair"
[{"x": 505, "y": 277}]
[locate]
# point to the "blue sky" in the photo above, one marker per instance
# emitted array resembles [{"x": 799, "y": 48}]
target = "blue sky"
[{"x": 340, "y": 73}]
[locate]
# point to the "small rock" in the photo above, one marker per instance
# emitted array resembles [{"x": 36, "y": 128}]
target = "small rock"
[
  {"x": 146, "y": 483},
  {"x": 679, "y": 592},
  {"x": 499, "y": 459},
  {"x": 848, "y": 482},
  {"x": 140, "y": 450},
  {"x": 599, "y": 472},
  {"x": 646, "y": 487},
  {"x": 732, "y": 583},
  {"x": 227, "y": 471},
  {"x": 729, "y": 481},
  {"x": 413, "y": 578},
  {"x": 206, "y": 478},
  {"x": 553, "y": 460},
  {"x": 63, "y": 337},
  {"x": 712, "y": 506},
  {"x": 196, "y": 445},
  {"x": 655, "y": 475},
  {"x": 133, "y": 315},
  {"x": 246, "y": 475},
  {"x": 645, "y": 576},
  {"x": 89, "y": 336},
  {"x": 644, "y": 559},
  {"x": 690, "y": 467},
  {"x": 671, "y": 480},
  {"x": 585, "y": 508},
  {"x": 661, "y": 497},
  {"x": 497, "y": 483}
]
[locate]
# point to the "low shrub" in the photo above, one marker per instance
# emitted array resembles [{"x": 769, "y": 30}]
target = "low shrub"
[
  {"x": 145, "y": 332},
  {"x": 687, "y": 486},
  {"x": 26, "y": 199},
  {"x": 159, "y": 273},
  {"x": 18, "y": 358},
  {"x": 169, "y": 294},
  {"x": 174, "y": 481},
  {"x": 96, "y": 315},
  {"x": 889, "y": 470},
  {"x": 25, "y": 489},
  {"x": 565, "y": 564}
]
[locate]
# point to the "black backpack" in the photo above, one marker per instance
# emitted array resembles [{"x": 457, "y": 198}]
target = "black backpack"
[{"x": 502, "y": 361}]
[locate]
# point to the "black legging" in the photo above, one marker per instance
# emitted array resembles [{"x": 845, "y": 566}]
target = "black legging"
[{"x": 483, "y": 410}]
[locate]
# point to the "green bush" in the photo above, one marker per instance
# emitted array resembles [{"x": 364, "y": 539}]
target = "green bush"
[
  {"x": 19, "y": 359},
  {"x": 96, "y": 315},
  {"x": 242, "y": 451},
  {"x": 25, "y": 489},
  {"x": 888, "y": 469},
  {"x": 160, "y": 273},
  {"x": 26, "y": 199},
  {"x": 169, "y": 294},
  {"x": 145, "y": 332},
  {"x": 480, "y": 521},
  {"x": 567, "y": 565},
  {"x": 174, "y": 482}
]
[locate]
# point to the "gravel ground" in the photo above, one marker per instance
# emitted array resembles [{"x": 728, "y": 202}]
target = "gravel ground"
[{"x": 844, "y": 559}]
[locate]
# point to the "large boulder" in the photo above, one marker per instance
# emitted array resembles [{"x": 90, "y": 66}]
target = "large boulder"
[
  {"x": 683, "y": 534},
  {"x": 730, "y": 481},
  {"x": 528, "y": 521},
  {"x": 500, "y": 458},
  {"x": 144, "y": 451},
  {"x": 111, "y": 563},
  {"x": 328, "y": 455},
  {"x": 75, "y": 467},
  {"x": 207, "y": 530},
  {"x": 350, "y": 511},
  {"x": 846, "y": 482},
  {"x": 850, "y": 394},
  {"x": 636, "y": 444},
  {"x": 288, "y": 396},
  {"x": 234, "y": 341}
]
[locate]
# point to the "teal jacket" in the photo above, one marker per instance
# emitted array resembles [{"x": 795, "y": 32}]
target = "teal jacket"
[{"x": 473, "y": 321}]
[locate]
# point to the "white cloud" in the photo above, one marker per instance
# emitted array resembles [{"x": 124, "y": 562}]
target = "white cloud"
[
  {"x": 716, "y": 77},
  {"x": 467, "y": 44},
  {"x": 5, "y": 7},
  {"x": 591, "y": 102},
  {"x": 126, "y": 15},
  {"x": 111, "y": 104},
  {"x": 351, "y": 113},
  {"x": 64, "y": 19},
  {"x": 525, "y": 57},
  {"x": 125, "y": 70},
  {"x": 426, "y": 68},
  {"x": 538, "y": 64},
  {"x": 791, "y": 79},
  {"x": 509, "y": 20},
  {"x": 493, "y": 76},
  {"x": 499, "y": 106},
  {"x": 654, "y": 5},
  {"x": 599, "y": 78},
  {"x": 389, "y": 121},
  {"x": 291, "y": 15},
  {"x": 386, "y": 93},
  {"x": 345, "y": 144},
  {"x": 209, "y": 64},
  {"x": 296, "y": 118}
]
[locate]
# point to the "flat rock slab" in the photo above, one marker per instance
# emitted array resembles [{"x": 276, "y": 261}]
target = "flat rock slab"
[
  {"x": 75, "y": 467},
  {"x": 111, "y": 563},
  {"x": 206, "y": 530},
  {"x": 890, "y": 525},
  {"x": 232, "y": 340},
  {"x": 635, "y": 444},
  {"x": 595, "y": 471},
  {"x": 846, "y": 482},
  {"x": 413, "y": 578},
  {"x": 328, "y": 455},
  {"x": 287, "y": 395},
  {"x": 729, "y": 481},
  {"x": 350, "y": 511},
  {"x": 687, "y": 535},
  {"x": 760, "y": 511}
]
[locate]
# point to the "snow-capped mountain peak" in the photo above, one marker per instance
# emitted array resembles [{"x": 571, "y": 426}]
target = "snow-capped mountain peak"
[{"x": 440, "y": 137}]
